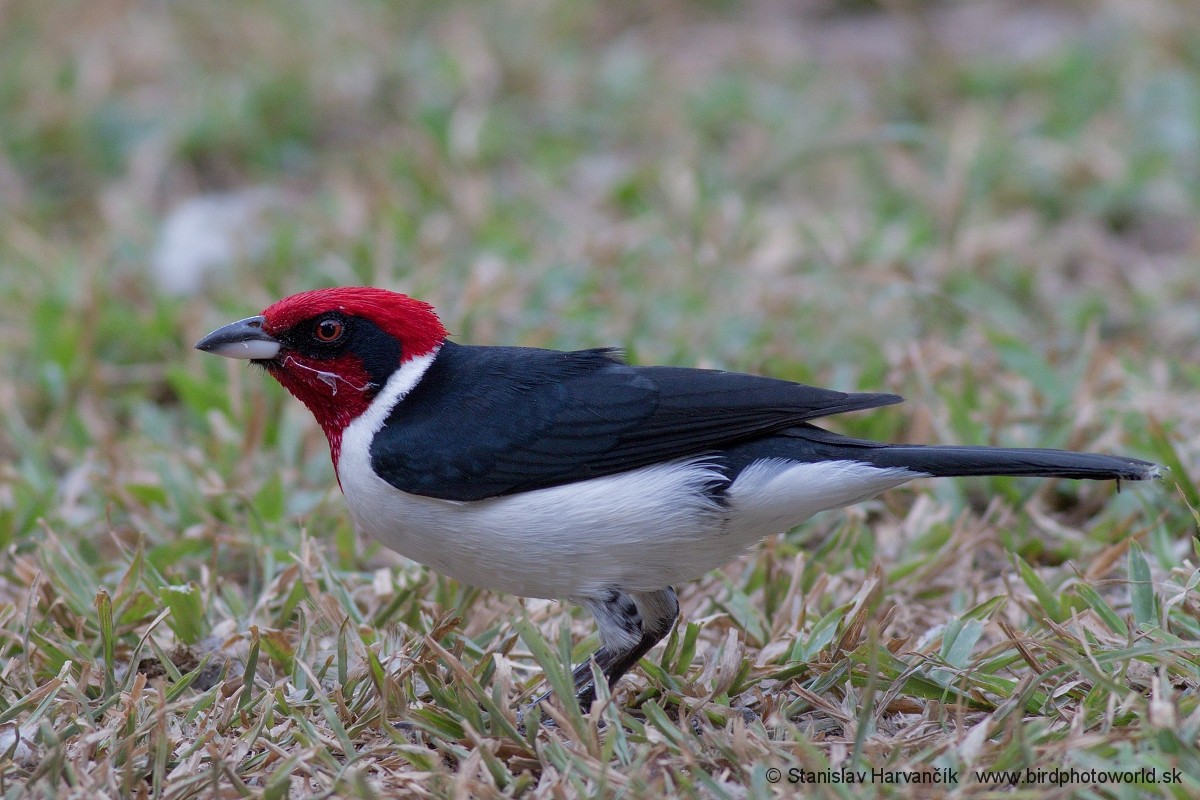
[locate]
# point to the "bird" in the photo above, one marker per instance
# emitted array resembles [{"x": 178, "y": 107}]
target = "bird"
[{"x": 574, "y": 475}]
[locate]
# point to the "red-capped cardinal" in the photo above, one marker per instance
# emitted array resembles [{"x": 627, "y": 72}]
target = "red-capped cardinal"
[{"x": 573, "y": 475}]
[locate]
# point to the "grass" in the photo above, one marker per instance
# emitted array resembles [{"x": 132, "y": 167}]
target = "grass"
[{"x": 931, "y": 200}]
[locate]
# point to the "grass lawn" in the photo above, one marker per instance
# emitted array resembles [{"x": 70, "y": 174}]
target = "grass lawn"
[{"x": 992, "y": 208}]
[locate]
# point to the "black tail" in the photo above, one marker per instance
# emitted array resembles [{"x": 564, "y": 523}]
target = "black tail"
[
  {"x": 810, "y": 443},
  {"x": 961, "y": 461}
]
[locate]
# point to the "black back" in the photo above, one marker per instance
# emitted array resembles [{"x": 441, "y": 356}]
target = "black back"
[{"x": 491, "y": 421}]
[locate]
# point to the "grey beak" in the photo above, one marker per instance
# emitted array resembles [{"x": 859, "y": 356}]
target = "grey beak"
[{"x": 244, "y": 339}]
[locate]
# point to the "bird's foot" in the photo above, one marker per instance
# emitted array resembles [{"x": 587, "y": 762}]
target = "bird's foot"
[{"x": 583, "y": 697}]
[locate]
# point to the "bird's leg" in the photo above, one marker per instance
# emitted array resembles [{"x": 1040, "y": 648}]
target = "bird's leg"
[{"x": 630, "y": 624}]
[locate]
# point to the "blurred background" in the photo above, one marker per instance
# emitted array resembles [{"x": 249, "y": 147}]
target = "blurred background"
[
  {"x": 524, "y": 165},
  {"x": 990, "y": 207}
]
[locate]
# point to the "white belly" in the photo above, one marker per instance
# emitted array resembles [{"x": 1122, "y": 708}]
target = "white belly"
[{"x": 638, "y": 531}]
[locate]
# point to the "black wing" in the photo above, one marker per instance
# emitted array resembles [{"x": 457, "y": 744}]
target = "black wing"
[{"x": 490, "y": 421}]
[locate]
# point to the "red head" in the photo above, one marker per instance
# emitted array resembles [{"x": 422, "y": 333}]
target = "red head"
[{"x": 333, "y": 349}]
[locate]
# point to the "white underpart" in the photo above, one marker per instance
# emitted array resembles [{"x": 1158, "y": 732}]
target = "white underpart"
[{"x": 637, "y": 531}]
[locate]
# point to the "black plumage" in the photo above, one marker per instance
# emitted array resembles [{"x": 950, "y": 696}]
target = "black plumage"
[{"x": 491, "y": 421}]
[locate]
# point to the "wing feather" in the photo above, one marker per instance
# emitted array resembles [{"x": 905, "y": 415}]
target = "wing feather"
[{"x": 490, "y": 421}]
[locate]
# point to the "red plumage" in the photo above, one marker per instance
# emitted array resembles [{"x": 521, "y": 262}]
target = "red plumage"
[
  {"x": 337, "y": 391},
  {"x": 413, "y": 323}
]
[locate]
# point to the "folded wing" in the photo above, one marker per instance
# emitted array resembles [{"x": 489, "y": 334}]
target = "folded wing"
[{"x": 490, "y": 421}]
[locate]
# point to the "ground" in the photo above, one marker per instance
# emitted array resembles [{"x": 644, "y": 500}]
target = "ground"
[{"x": 990, "y": 208}]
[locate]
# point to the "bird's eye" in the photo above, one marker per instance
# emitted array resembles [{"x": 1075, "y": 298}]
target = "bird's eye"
[{"x": 328, "y": 330}]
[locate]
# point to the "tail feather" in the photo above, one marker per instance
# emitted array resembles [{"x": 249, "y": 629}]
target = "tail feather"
[
  {"x": 943, "y": 461},
  {"x": 810, "y": 443}
]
